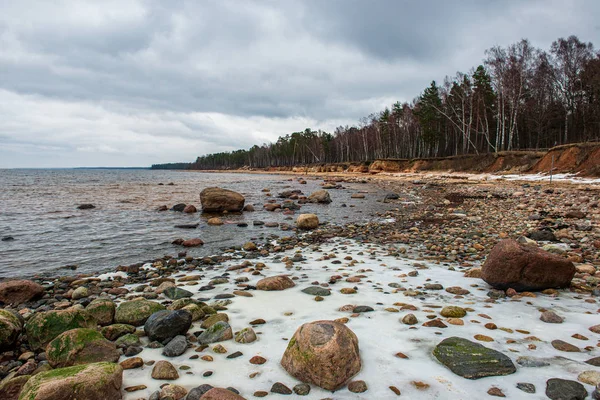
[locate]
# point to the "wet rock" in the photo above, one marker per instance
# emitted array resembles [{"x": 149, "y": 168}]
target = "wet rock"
[
  {"x": 213, "y": 319},
  {"x": 20, "y": 291},
  {"x": 216, "y": 200},
  {"x": 453, "y": 312},
  {"x": 86, "y": 207},
  {"x": 564, "y": 346},
  {"x": 324, "y": 353},
  {"x": 98, "y": 381},
  {"x": 302, "y": 389},
  {"x": 362, "y": 309},
  {"x": 10, "y": 328},
  {"x": 551, "y": 317},
  {"x": 472, "y": 360},
  {"x": 526, "y": 387},
  {"x": 410, "y": 319},
  {"x": 178, "y": 207},
  {"x": 192, "y": 242},
  {"x": 164, "y": 370},
  {"x": 103, "y": 310},
  {"x": 307, "y": 221},
  {"x": 80, "y": 293},
  {"x": 320, "y": 196},
  {"x": 589, "y": 377},
  {"x": 561, "y": 389},
  {"x": 532, "y": 362},
  {"x": 280, "y": 388},
  {"x": 136, "y": 312},
  {"x": 166, "y": 324},
  {"x": 525, "y": 268},
  {"x": 221, "y": 394},
  {"x": 280, "y": 282},
  {"x": 175, "y": 347},
  {"x": 215, "y": 221},
  {"x": 10, "y": 387},
  {"x": 542, "y": 235},
  {"x": 197, "y": 392},
  {"x": 43, "y": 327},
  {"x": 189, "y": 209},
  {"x": 113, "y": 332},
  {"x": 316, "y": 291},
  {"x": 357, "y": 386},
  {"x": 80, "y": 346},
  {"x": 172, "y": 392},
  {"x": 218, "y": 332},
  {"x": 176, "y": 293},
  {"x": 246, "y": 335}
]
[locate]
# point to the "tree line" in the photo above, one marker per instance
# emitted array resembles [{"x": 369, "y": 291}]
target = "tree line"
[{"x": 520, "y": 97}]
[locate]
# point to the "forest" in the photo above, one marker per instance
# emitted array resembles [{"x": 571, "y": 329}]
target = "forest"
[{"x": 520, "y": 97}]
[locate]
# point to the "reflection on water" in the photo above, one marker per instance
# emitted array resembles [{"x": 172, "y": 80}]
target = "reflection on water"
[{"x": 39, "y": 209}]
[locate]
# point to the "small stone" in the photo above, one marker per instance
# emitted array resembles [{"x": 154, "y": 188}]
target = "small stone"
[
  {"x": 395, "y": 390},
  {"x": 280, "y": 388},
  {"x": 453, "y": 312},
  {"x": 410, "y": 319},
  {"x": 258, "y": 360},
  {"x": 559, "y": 389},
  {"x": 564, "y": 346},
  {"x": 494, "y": 391},
  {"x": 589, "y": 377},
  {"x": 164, "y": 370},
  {"x": 526, "y": 387},
  {"x": 302, "y": 389},
  {"x": 551, "y": 317}
]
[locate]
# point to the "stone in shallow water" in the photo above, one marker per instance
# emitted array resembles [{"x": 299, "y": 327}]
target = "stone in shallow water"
[
  {"x": 175, "y": 347},
  {"x": 175, "y": 293},
  {"x": 526, "y": 387},
  {"x": 217, "y": 333},
  {"x": 361, "y": 309},
  {"x": 302, "y": 389},
  {"x": 532, "y": 362},
  {"x": 594, "y": 361},
  {"x": 280, "y": 388},
  {"x": 561, "y": 389},
  {"x": 472, "y": 360},
  {"x": 316, "y": 291}
]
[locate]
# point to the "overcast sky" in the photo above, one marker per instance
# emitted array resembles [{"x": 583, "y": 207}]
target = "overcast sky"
[{"x": 132, "y": 83}]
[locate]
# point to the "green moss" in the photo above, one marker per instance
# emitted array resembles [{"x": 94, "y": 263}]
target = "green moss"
[
  {"x": 45, "y": 326},
  {"x": 58, "y": 350}
]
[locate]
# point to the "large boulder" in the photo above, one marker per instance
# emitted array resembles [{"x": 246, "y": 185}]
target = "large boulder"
[
  {"x": 167, "y": 324},
  {"x": 80, "y": 346},
  {"x": 20, "y": 291},
  {"x": 279, "y": 282},
  {"x": 472, "y": 360},
  {"x": 320, "y": 196},
  {"x": 103, "y": 310},
  {"x": 307, "y": 221},
  {"x": 525, "y": 267},
  {"x": 136, "y": 312},
  {"x": 98, "y": 381},
  {"x": 216, "y": 200},
  {"x": 10, "y": 328},
  {"x": 324, "y": 353},
  {"x": 11, "y": 386},
  {"x": 43, "y": 327}
]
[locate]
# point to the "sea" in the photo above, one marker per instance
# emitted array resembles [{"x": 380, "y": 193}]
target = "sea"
[{"x": 45, "y": 234}]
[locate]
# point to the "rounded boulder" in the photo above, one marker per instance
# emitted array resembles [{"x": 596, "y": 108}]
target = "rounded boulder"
[{"x": 167, "y": 324}]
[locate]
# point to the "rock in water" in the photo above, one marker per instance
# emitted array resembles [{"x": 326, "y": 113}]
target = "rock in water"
[
  {"x": 216, "y": 200},
  {"x": 320, "y": 196},
  {"x": 136, "y": 312},
  {"x": 166, "y": 324},
  {"x": 472, "y": 360},
  {"x": 175, "y": 347},
  {"x": 307, "y": 221},
  {"x": 324, "y": 353},
  {"x": 43, "y": 327},
  {"x": 218, "y": 332},
  {"x": 98, "y": 381},
  {"x": 525, "y": 268},
  {"x": 280, "y": 282},
  {"x": 20, "y": 291},
  {"x": 10, "y": 328},
  {"x": 80, "y": 346},
  {"x": 316, "y": 291},
  {"x": 221, "y": 394},
  {"x": 563, "y": 389}
]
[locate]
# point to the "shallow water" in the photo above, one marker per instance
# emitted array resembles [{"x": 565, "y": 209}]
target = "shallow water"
[{"x": 38, "y": 208}]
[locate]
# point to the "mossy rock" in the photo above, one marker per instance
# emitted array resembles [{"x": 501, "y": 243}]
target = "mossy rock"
[
  {"x": 177, "y": 293},
  {"x": 208, "y": 310},
  {"x": 136, "y": 312},
  {"x": 80, "y": 346},
  {"x": 195, "y": 310},
  {"x": 98, "y": 381},
  {"x": 179, "y": 304},
  {"x": 44, "y": 327},
  {"x": 103, "y": 310},
  {"x": 115, "y": 331},
  {"x": 127, "y": 340},
  {"x": 11, "y": 386},
  {"x": 213, "y": 319},
  {"x": 453, "y": 312},
  {"x": 218, "y": 332},
  {"x": 10, "y": 328}
]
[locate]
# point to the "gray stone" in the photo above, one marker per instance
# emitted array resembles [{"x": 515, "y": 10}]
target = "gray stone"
[
  {"x": 198, "y": 392},
  {"x": 526, "y": 387},
  {"x": 218, "y": 332},
  {"x": 302, "y": 389},
  {"x": 316, "y": 291},
  {"x": 564, "y": 389},
  {"x": 176, "y": 293},
  {"x": 532, "y": 362},
  {"x": 167, "y": 324},
  {"x": 175, "y": 347},
  {"x": 280, "y": 388}
]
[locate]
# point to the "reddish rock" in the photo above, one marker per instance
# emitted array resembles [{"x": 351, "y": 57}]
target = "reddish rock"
[
  {"x": 192, "y": 242},
  {"x": 189, "y": 209},
  {"x": 324, "y": 353},
  {"x": 216, "y": 200},
  {"x": 525, "y": 268},
  {"x": 20, "y": 291},
  {"x": 221, "y": 394},
  {"x": 280, "y": 282},
  {"x": 271, "y": 206}
]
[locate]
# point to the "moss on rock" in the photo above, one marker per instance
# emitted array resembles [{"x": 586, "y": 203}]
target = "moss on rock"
[
  {"x": 43, "y": 327},
  {"x": 136, "y": 312}
]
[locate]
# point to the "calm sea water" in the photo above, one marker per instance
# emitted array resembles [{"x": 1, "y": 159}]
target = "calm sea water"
[{"x": 38, "y": 208}]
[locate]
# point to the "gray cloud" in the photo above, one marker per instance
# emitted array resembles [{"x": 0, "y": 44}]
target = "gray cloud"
[{"x": 139, "y": 82}]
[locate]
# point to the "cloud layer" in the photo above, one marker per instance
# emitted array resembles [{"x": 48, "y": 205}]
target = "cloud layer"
[{"x": 131, "y": 83}]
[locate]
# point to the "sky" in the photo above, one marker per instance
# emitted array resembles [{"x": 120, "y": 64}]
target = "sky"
[{"x": 134, "y": 83}]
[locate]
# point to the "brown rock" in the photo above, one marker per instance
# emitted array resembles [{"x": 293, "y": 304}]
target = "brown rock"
[
  {"x": 524, "y": 267},
  {"x": 216, "y": 200},
  {"x": 357, "y": 386},
  {"x": 164, "y": 370},
  {"x": 215, "y": 221},
  {"x": 258, "y": 360},
  {"x": 20, "y": 291},
  {"x": 280, "y": 282},
  {"x": 324, "y": 353},
  {"x": 221, "y": 394},
  {"x": 307, "y": 221},
  {"x": 189, "y": 209},
  {"x": 564, "y": 346},
  {"x": 132, "y": 363},
  {"x": 192, "y": 242},
  {"x": 551, "y": 317}
]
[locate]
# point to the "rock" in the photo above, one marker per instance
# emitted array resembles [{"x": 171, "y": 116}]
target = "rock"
[
  {"x": 551, "y": 317},
  {"x": 176, "y": 347},
  {"x": 320, "y": 196},
  {"x": 103, "y": 310},
  {"x": 113, "y": 332},
  {"x": 10, "y": 387},
  {"x": 43, "y": 327},
  {"x": 80, "y": 346},
  {"x": 473, "y": 273},
  {"x": 176, "y": 293},
  {"x": 575, "y": 214},
  {"x": 136, "y": 312},
  {"x": 316, "y": 291},
  {"x": 179, "y": 207},
  {"x": 219, "y": 332},
  {"x": 357, "y": 386},
  {"x": 246, "y": 335},
  {"x": 164, "y": 370},
  {"x": 280, "y": 388},
  {"x": 172, "y": 392},
  {"x": 280, "y": 282},
  {"x": 362, "y": 309},
  {"x": 302, "y": 389},
  {"x": 531, "y": 362},
  {"x": 453, "y": 312},
  {"x": 217, "y": 200},
  {"x": 324, "y": 353},
  {"x": 80, "y": 293},
  {"x": 197, "y": 392},
  {"x": 98, "y": 381},
  {"x": 563, "y": 389},
  {"x": 221, "y": 394},
  {"x": 127, "y": 341},
  {"x": 20, "y": 291},
  {"x": 10, "y": 328},
  {"x": 192, "y": 242},
  {"x": 472, "y": 360},
  {"x": 86, "y": 207},
  {"x": 525, "y": 268},
  {"x": 561, "y": 345},
  {"x": 410, "y": 319},
  {"x": 215, "y": 221},
  {"x": 589, "y": 377},
  {"x": 526, "y": 387},
  {"x": 189, "y": 209},
  {"x": 213, "y": 319},
  {"x": 594, "y": 361},
  {"x": 307, "y": 221},
  {"x": 166, "y": 324},
  {"x": 543, "y": 235},
  {"x": 132, "y": 363},
  {"x": 249, "y": 208}
]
